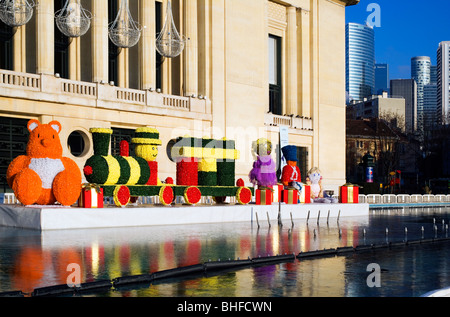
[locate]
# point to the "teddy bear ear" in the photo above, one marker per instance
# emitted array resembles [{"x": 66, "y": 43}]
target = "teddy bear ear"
[
  {"x": 55, "y": 125},
  {"x": 33, "y": 124}
]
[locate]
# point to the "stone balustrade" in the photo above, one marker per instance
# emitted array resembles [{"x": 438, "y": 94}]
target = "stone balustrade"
[
  {"x": 102, "y": 95},
  {"x": 303, "y": 124}
]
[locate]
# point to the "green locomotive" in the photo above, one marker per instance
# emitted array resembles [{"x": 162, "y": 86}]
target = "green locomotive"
[{"x": 205, "y": 167}]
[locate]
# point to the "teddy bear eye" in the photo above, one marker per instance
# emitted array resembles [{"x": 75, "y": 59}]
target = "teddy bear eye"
[{"x": 39, "y": 135}]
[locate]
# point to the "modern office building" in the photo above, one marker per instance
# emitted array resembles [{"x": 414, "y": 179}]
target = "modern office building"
[
  {"x": 360, "y": 61},
  {"x": 381, "y": 78},
  {"x": 407, "y": 89},
  {"x": 433, "y": 74},
  {"x": 219, "y": 86},
  {"x": 421, "y": 73},
  {"x": 429, "y": 106},
  {"x": 443, "y": 82}
]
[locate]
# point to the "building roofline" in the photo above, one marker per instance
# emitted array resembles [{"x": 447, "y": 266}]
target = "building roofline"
[{"x": 350, "y": 2}]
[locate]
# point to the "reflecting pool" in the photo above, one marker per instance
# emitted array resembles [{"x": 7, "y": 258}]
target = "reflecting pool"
[{"x": 32, "y": 259}]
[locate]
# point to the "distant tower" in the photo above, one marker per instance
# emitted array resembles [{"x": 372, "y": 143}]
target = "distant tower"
[
  {"x": 381, "y": 78},
  {"x": 443, "y": 82},
  {"x": 421, "y": 73},
  {"x": 407, "y": 88},
  {"x": 360, "y": 61}
]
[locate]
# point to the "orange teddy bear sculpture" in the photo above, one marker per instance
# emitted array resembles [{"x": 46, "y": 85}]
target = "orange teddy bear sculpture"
[{"x": 44, "y": 176}]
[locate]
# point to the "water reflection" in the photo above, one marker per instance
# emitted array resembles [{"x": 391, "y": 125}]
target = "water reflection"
[{"x": 30, "y": 259}]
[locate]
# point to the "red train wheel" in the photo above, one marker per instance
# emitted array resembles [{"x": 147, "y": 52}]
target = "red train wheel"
[
  {"x": 192, "y": 195},
  {"x": 166, "y": 195},
  {"x": 121, "y": 196},
  {"x": 244, "y": 195}
]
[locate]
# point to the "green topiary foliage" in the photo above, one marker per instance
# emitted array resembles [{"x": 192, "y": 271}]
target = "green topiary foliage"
[
  {"x": 207, "y": 178},
  {"x": 145, "y": 171},
  {"x": 225, "y": 173},
  {"x": 100, "y": 170},
  {"x": 124, "y": 170}
]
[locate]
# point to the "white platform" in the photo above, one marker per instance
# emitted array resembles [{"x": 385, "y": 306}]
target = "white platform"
[{"x": 59, "y": 218}]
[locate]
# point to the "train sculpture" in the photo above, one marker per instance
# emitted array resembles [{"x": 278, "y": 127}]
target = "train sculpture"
[{"x": 204, "y": 167}]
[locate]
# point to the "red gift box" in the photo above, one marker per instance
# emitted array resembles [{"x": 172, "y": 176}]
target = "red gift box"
[
  {"x": 263, "y": 197},
  {"x": 290, "y": 196},
  {"x": 305, "y": 196},
  {"x": 349, "y": 194},
  {"x": 276, "y": 194},
  {"x": 91, "y": 197}
]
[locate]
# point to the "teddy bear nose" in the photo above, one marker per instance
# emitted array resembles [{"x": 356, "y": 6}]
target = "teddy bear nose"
[{"x": 45, "y": 142}]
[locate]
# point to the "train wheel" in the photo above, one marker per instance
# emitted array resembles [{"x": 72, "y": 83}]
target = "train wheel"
[
  {"x": 244, "y": 195},
  {"x": 121, "y": 196},
  {"x": 192, "y": 195},
  {"x": 166, "y": 195}
]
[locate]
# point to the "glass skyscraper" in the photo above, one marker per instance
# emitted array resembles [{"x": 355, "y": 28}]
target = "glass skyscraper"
[
  {"x": 381, "y": 78},
  {"x": 421, "y": 73},
  {"x": 360, "y": 61}
]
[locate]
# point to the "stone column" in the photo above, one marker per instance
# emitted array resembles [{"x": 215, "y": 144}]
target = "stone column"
[
  {"x": 99, "y": 31},
  {"x": 75, "y": 59},
  {"x": 204, "y": 46},
  {"x": 167, "y": 65},
  {"x": 304, "y": 60},
  {"x": 122, "y": 59},
  {"x": 291, "y": 61},
  {"x": 147, "y": 52},
  {"x": 45, "y": 38},
  {"x": 191, "y": 49},
  {"x": 20, "y": 51}
]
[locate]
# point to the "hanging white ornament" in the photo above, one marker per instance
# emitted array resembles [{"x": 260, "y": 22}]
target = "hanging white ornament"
[
  {"x": 169, "y": 42},
  {"x": 73, "y": 20},
  {"x": 16, "y": 12},
  {"x": 124, "y": 31}
]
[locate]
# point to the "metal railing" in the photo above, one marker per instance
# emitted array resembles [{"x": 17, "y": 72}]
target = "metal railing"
[
  {"x": 377, "y": 199},
  {"x": 373, "y": 199}
]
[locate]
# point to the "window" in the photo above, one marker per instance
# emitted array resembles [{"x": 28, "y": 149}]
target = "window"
[
  {"x": 61, "y": 47},
  {"x": 159, "y": 58},
  {"x": 76, "y": 143},
  {"x": 275, "y": 84},
  {"x": 13, "y": 142},
  {"x": 302, "y": 156},
  {"x": 120, "y": 135},
  {"x": 112, "y": 49},
  {"x": 6, "y": 46}
]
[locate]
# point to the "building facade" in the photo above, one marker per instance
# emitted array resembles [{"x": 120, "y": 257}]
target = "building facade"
[
  {"x": 421, "y": 73},
  {"x": 360, "y": 61},
  {"x": 381, "y": 79},
  {"x": 220, "y": 86},
  {"x": 407, "y": 89},
  {"x": 429, "y": 106},
  {"x": 382, "y": 107},
  {"x": 443, "y": 82}
]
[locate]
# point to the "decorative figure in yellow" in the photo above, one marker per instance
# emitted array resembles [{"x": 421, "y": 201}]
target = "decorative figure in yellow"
[{"x": 147, "y": 142}]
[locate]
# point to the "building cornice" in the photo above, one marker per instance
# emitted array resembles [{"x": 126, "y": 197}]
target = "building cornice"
[{"x": 347, "y": 3}]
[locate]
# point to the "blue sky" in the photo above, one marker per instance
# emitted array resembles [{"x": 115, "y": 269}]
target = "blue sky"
[{"x": 408, "y": 28}]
